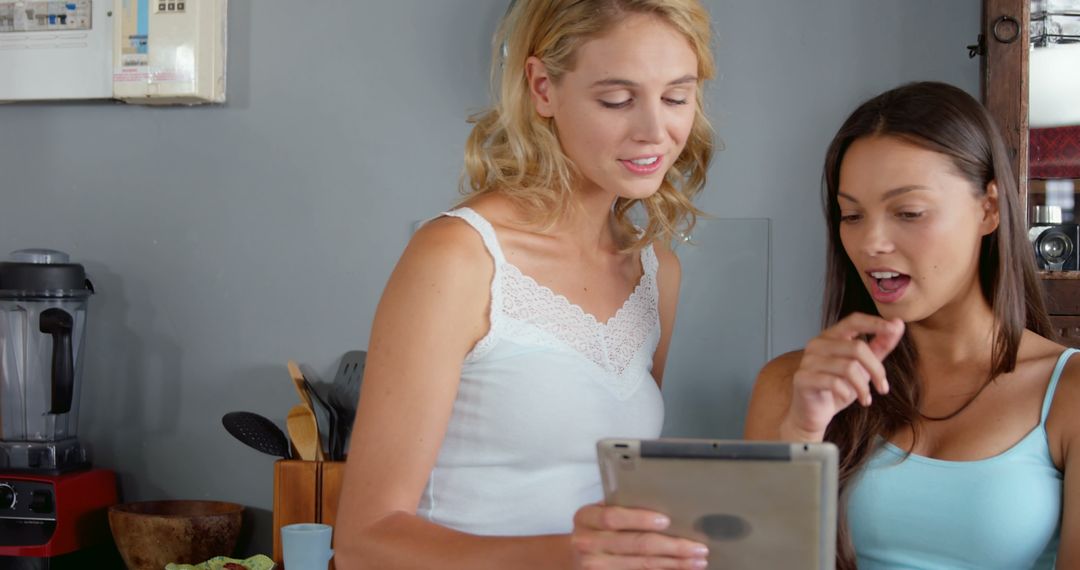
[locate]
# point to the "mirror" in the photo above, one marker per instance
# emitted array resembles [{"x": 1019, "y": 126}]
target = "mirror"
[{"x": 1054, "y": 115}]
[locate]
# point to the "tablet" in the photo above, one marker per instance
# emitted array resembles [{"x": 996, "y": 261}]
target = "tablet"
[{"x": 754, "y": 504}]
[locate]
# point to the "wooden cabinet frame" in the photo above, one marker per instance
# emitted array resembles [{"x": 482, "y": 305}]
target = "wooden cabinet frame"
[
  {"x": 1004, "y": 42},
  {"x": 1005, "y": 78}
]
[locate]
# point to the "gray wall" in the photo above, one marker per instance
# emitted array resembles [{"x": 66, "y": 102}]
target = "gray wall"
[{"x": 225, "y": 240}]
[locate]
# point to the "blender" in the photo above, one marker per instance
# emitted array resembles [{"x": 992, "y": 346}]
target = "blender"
[{"x": 52, "y": 502}]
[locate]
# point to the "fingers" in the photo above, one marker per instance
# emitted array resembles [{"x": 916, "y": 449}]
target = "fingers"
[
  {"x": 652, "y": 544},
  {"x": 839, "y": 367},
  {"x": 639, "y": 563},
  {"x": 843, "y": 391},
  {"x": 617, "y": 537},
  {"x": 638, "y": 550},
  {"x": 851, "y": 360},
  {"x": 600, "y": 517},
  {"x": 885, "y": 335},
  {"x": 857, "y": 325},
  {"x": 886, "y": 339}
]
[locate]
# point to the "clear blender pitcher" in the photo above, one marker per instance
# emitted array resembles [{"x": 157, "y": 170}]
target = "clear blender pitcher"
[{"x": 43, "y": 301}]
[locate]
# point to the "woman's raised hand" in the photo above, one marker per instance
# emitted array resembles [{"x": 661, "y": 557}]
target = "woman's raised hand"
[
  {"x": 630, "y": 539},
  {"x": 839, "y": 367}
]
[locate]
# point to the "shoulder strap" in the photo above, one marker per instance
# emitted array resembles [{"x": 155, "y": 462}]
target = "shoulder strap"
[
  {"x": 483, "y": 227},
  {"x": 1054, "y": 380},
  {"x": 649, "y": 263},
  {"x": 491, "y": 242}
]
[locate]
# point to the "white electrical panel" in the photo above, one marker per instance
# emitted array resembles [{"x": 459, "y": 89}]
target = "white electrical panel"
[
  {"x": 55, "y": 49},
  {"x": 169, "y": 51}
]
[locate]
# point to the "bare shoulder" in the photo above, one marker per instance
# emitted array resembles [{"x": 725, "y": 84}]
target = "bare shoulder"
[
  {"x": 1034, "y": 347},
  {"x": 778, "y": 372},
  {"x": 668, "y": 282},
  {"x": 1043, "y": 354},
  {"x": 443, "y": 281},
  {"x": 665, "y": 257},
  {"x": 447, "y": 242},
  {"x": 771, "y": 397},
  {"x": 668, "y": 275},
  {"x": 669, "y": 269},
  {"x": 446, "y": 270},
  {"x": 500, "y": 211},
  {"x": 1067, "y": 396},
  {"x": 1062, "y": 428},
  {"x": 1066, "y": 404}
]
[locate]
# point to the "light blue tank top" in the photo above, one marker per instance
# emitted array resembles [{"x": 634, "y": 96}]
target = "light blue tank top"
[{"x": 927, "y": 514}]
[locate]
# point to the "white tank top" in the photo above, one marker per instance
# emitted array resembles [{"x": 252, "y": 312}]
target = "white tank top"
[{"x": 537, "y": 391}]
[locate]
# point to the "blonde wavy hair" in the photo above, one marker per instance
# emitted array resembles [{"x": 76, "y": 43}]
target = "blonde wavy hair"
[{"x": 514, "y": 151}]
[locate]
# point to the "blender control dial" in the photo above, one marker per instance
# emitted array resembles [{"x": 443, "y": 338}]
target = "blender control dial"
[{"x": 8, "y": 498}]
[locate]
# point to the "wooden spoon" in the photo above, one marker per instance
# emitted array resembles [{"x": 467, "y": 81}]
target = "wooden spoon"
[
  {"x": 304, "y": 432},
  {"x": 298, "y": 382},
  {"x": 323, "y": 424}
]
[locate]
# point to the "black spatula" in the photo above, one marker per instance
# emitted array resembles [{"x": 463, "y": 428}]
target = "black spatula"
[{"x": 345, "y": 394}]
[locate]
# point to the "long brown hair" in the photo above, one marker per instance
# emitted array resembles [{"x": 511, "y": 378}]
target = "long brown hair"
[
  {"x": 946, "y": 120},
  {"x": 514, "y": 151}
]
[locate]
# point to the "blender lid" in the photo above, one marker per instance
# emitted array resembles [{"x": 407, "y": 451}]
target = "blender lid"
[
  {"x": 40, "y": 256},
  {"x": 42, "y": 273}
]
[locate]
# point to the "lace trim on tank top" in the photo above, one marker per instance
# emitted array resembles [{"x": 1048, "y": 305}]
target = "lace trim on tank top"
[{"x": 527, "y": 311}]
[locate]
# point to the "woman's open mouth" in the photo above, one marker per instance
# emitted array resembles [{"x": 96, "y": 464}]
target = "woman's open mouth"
[
  {"x": 643, "y": 164},
  {"x": 888, "y": 286}
]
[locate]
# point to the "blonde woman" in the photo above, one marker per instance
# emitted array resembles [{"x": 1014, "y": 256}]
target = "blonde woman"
[{"x": 533, "y": 320}]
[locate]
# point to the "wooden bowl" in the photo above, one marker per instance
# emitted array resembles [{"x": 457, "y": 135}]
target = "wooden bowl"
[{"x": 151, "y": 534}]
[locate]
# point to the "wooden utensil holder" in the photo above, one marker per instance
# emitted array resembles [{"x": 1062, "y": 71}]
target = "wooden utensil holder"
[{"x": 305, "y": 492}]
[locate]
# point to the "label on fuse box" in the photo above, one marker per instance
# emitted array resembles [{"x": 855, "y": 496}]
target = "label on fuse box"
[
  {"x": 138, "y": 61},
  {"x": 135, "y": 27},
  {"x": 19, "y": 16}
]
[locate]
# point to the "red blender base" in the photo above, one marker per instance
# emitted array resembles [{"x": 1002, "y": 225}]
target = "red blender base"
[{"x": 44, "y": 516}]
